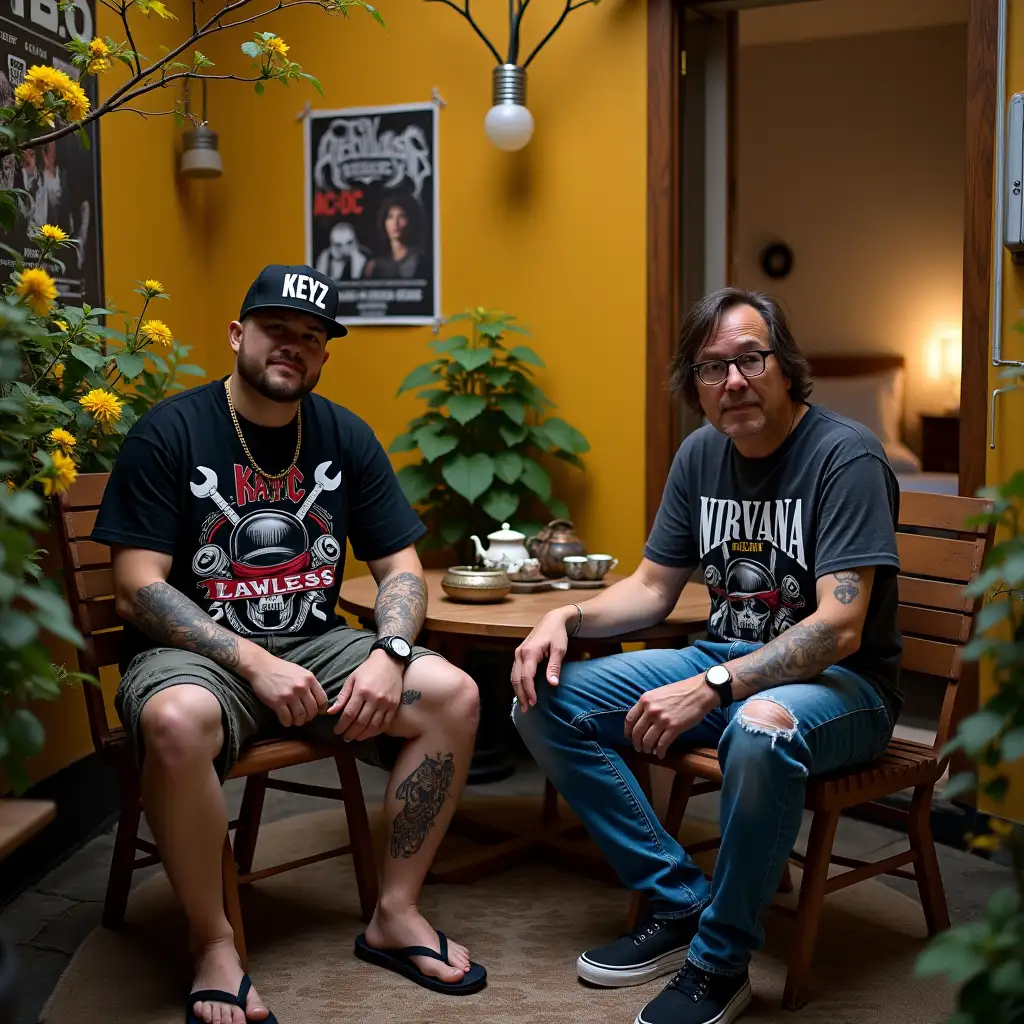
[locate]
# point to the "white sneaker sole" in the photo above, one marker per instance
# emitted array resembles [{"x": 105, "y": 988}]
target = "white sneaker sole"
[
  {"x": 621, "y": 977},
  {"x": 733, "y": 1008}
]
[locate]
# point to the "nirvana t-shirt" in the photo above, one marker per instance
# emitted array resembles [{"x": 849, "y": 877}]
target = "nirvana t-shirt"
[
  {"x": 263, "y": 557},
  {"x": 764, "y": 530}
]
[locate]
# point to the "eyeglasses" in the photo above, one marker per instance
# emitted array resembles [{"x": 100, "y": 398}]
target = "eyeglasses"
[{"x": 750, "y": 364}]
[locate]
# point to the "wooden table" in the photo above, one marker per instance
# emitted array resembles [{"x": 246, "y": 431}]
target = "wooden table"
[
  {"x": 22, "y": 819},
  {"x": 451, "y": 628}
]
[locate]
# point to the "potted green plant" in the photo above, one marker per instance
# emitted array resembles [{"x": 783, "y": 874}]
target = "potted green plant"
[
  {"x": 985, "y": 958},
  {"x": 483, "y": 436}
]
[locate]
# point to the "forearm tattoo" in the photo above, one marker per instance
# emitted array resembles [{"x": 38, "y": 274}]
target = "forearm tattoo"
[
  {"x": 401, "y": 605},
  {"x": 847, "y": 588},
  {"x": 802, "y": 652},
  {"x": 424, "y": 793},
  {"x": 167, "y": 615},
  {"x": 411, "y": 696}
]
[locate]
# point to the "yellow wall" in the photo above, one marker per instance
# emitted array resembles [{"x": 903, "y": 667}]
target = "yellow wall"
[
  {"x": 1008, "y": 456},
  {"x": 554, "y": 234}
]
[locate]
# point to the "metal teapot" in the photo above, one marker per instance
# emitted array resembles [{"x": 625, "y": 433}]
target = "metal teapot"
[{"x": 553, "y": 543}]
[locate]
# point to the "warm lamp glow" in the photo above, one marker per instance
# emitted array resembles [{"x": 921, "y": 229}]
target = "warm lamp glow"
[{"x": 943, "y": 354}]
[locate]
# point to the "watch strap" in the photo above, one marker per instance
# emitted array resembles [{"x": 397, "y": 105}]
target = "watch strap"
[
  {"x": 383, "y": 643},
  {"x": 723, "y": 689}
]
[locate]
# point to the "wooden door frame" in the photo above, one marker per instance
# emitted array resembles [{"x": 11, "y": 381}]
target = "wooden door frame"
[{"x": 665, "y": 46}]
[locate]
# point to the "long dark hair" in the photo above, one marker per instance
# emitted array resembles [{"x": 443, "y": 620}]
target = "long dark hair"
[{"x": 700, "y": 326}]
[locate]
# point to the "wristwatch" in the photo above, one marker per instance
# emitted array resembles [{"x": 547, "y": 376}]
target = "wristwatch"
[
  {"x": 719, "y": 678},
  {"x": 398, "y": 647}
]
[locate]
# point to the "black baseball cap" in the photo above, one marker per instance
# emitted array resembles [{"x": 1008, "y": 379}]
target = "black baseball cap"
[{"x": 298, "y": 288}]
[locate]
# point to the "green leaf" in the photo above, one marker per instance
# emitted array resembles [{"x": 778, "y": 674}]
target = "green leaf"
[
  {"x": 525, "y": 354},
  {"x": 129, "y": 363},
  {"x": 1012, "y": 744},
  {"x": 453, "y": 530},
  {"x": 435, "y": 397},
  {"x": 25, "y": 732},
  {"x": 512, "y": 435},
  {"x": 499, "y": 376},
  {"x": 466, "y": 407},
  {"x": 513, "y": 408},
  {"x": 491, "y": 330},
  {"x": 403, "y": 443},
  {"x": 469, "y": 476},
  {"x": 558, "y": 509},
  {"x": 472, "y": 358},
  {"x": 573, "y": 460},
  {"x": 448, "y": 344},
  {"x": 17, "y": 630},
  {"x": 565, "y": 436},
  {"x": 980, "y": 728},
  {"x": 535, "y": 476},
  {"x": 962, "y": 782},
  {"x": 251, "y": 49},
  {"x": 422, "y": 375},
  {"x": 499, "y": 503},
  {"x": 1008, "y": 977},
  {"x": 508, "y": 466},
  {"x": 94, "y": 360},
  {"x": 190, "y": 370},
  {"x": 540, "y": 438},
  {"x": 416, "y": 483},
  {"x": 434, "y": 445}
]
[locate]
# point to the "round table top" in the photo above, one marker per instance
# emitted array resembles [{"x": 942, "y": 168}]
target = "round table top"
[{"x": 516, "y": 615}]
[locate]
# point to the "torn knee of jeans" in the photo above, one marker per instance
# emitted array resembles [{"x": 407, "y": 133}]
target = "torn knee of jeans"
[{"x": 768, "y": 718}]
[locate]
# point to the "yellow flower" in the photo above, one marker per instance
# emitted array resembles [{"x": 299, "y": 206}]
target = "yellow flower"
[
  {"x": 96, "y": 66},
  {"x": 275, "y": 46},
  {"x": 58, "y": 371},
  {"x": 1001, "y": 828},
  {"x": 98, "y": 47},
  {"x": 104, "y": 407},
  {"x": 157, "y": 332},
  {"x": 153, "y": 286},
  {"x": 29, "y": 92},
  {"x": 62, "y": 474},
  {"x": 36, "y": 287},
  {"x": 63, "y": 439},
  {"x": 77, "y": 102},
  {"x": 62, "y": 324},
  {"x": 41, "y": 79},
  {"x": 10, "y": 484},
  {"x": 48, "y": 79},
  {"x": 52, "y": 233}
]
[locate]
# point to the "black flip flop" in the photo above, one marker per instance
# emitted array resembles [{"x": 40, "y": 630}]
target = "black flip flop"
[
  {"x": 400, "y": 961},
  {"x": 215, "y": 995}
]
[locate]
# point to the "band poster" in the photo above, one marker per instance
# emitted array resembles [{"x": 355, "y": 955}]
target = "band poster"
[
  {"x": 372, "y": 211},
  {"x": 62, "y": 178}
]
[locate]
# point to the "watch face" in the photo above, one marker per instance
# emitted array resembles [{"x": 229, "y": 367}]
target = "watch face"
[
  {"x": 717, "y": 675},
  {"x": 400, "y": 647}
]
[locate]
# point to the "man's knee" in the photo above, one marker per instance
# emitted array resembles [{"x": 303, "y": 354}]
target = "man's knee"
[
  {"x": 181, "y": 725},
  {"x": 766, "y": 716}
]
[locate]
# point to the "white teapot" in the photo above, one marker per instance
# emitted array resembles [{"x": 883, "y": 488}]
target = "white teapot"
[{"x": 507, "y": 551}]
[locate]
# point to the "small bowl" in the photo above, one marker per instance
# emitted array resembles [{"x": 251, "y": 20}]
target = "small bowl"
[{"x": 476, "y": 586}]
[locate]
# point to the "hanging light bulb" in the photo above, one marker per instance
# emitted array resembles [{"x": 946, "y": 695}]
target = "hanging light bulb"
[
  {"x": 509, "y": 124},
  {"x": 200, "y": 155}
]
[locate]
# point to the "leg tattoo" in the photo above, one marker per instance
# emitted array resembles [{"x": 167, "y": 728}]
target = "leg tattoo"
[
  {"x": 423, "y": 792},
  {"x": 411, "y": 696}
]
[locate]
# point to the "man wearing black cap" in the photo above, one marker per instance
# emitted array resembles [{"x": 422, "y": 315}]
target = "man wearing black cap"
[{"x": 228, "y": 511}]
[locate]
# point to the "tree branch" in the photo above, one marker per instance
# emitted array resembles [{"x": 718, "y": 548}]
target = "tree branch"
[
  {"x": 128, "y": 35},
  {"x": 465, "y": 12},
  {"x": 569, "y": 8}
]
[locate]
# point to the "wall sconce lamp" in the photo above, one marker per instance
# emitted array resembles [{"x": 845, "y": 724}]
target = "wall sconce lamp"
[
  {"x": 509, "y": 124},
  {"x": 943, "y": 356},
  {"x": 200, "y": 156}
]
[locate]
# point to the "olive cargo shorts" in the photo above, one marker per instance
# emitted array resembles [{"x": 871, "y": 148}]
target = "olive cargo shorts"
[{"x": 332, "y": 657}]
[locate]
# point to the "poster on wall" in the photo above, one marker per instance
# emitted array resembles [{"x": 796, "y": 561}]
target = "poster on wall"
[
  {"x": 61, "y": 178},
  {"x": 372, "y": 211}
]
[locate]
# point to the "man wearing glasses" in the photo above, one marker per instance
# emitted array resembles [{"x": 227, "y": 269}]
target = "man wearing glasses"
[{"x": 789, "y": 512}]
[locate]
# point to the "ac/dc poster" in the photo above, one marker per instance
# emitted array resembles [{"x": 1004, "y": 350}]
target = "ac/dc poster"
[
  {"x": 372, "y": 211},
  {"x": 62, "y": 178}
]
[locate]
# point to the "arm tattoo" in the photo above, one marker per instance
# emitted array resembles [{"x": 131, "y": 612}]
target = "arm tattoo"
[
  {"x": 423, "y": 792},
  {"x": 847, "y": 589},
  {"x": 401, "y": 605},
  {"x": 167, "y": 615},
  {"x": 411, "y": 696},
  {"x": 802, "y": 652}
]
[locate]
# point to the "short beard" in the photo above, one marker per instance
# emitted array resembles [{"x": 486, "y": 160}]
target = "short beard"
[{"x": 259, "y": 379}]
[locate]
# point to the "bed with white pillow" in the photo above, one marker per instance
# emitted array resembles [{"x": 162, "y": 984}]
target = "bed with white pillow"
[{"x": 870, "y": 389}]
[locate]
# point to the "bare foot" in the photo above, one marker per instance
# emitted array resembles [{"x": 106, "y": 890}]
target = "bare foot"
[
  {"x": 393, "y": 930},
  {"x": 218, "y": 967}
]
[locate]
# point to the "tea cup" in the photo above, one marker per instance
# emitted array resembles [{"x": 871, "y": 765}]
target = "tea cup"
[
  {"x": 598, "y": 565},
  {"x": 575, "y": 566}
]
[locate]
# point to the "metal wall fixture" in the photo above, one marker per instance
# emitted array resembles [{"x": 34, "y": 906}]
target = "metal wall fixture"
[
  {"x": 200, "y": 155},
  {"x": 509, "y": 123}
]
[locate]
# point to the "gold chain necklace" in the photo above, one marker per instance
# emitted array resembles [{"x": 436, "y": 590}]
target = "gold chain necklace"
[{"x": 245, "y": 448}]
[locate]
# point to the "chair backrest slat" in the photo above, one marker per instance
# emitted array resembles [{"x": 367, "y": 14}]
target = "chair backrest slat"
[
  {"x": 945, "y": 512},
  {"x": 952, "y": 560},
  {"x": 93, "y": 583},
  {"x": 937, "y": 625},
  {"x": 933, "y": 594}
]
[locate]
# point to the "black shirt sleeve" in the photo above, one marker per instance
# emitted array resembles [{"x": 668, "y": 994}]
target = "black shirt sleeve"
[
  {"x": 857, "y": 513},
  {"x": 141, "y": 503},
  {"x": 671, "y": 541},
  {"x": 381, "y": 520}
]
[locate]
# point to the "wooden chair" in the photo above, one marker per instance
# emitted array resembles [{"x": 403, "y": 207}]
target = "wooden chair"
[
  {"x": 89, "y": 582},
  {"x": 939, "y": 554}
]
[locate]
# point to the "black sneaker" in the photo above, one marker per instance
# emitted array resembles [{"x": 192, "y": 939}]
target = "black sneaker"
[
  {"x": 656, "y": 948},
  {"x": 694, "y": 996}
]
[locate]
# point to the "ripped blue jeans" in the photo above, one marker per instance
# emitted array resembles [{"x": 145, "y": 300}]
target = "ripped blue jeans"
[{"x": 576, "y": 733}]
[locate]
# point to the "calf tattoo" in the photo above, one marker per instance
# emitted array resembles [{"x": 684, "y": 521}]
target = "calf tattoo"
[
  {"x": 411, "y": 696},
  {"x": 424, "y": 792},
  {"x": 167, "y": 615}
]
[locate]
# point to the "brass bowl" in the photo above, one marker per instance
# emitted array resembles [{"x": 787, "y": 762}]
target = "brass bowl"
[{"x": 477, "y": 586}]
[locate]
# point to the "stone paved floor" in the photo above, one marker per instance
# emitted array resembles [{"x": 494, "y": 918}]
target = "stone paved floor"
[{"x": 50, "y": 920}]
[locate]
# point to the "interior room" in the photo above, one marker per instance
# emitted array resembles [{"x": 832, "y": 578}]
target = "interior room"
[{"x": 319, "y": 403}]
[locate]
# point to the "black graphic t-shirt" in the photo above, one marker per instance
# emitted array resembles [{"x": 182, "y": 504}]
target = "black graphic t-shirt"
[
  {"x": 764, "y": 530},
  {"x": 262, "y": 557}
]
